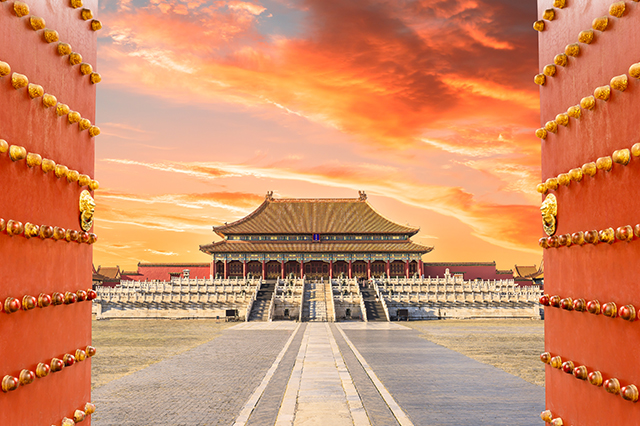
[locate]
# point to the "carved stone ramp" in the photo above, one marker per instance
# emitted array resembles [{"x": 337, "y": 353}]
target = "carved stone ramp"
[{"x": 315, "y": 303}]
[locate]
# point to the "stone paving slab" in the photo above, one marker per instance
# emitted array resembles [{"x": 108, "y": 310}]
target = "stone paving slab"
[
  {"x": 439, "y": 387},
  {"x": 210, "y": 384},
  {"x": 377, "y": 410},
  {"x": 381, "y": 325},
  {"x": 207, "y": 385},
  {"x": 317, "y": 393},
  {"x": 268, "y": 406},
  {"x": 269, "y": 325}
]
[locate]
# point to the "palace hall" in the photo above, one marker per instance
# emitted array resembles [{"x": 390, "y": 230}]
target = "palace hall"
[{"x": 315, "y": 238}]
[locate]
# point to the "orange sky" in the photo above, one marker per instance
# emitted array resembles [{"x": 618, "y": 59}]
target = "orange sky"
[{"x": 428, "y": 106}]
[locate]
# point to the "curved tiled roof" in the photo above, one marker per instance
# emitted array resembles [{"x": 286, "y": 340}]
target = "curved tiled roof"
[
  {"x": 308, "y": 216},
  {"x": 529, "y": 271},
  {"x": 174, "y": 265},
  {"x": 324, "y": 247},
  {"x": 449, "y": 264}
]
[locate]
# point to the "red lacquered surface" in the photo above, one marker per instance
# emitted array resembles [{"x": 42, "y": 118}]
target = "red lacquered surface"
[
  {"x": 607, "y": 272},
  {"x": 34, "y": 266}
]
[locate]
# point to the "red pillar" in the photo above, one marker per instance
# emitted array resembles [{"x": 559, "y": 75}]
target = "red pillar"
[
  {"x": 330, "y": 269},
  {"x": 225, "y": 269},
  {"x": 212, "y": 269},
  {"x": 369, "y": 269},
  {"x": 350, "y": 269},
  {"x": 388, "y": 269},
  {"x": 406, "y": 269},
  {"x": 282, "y": 268},
  {"x": 301, "y": 269},
  {"x": 421, "y": 267},
  {"x": 264, "y": 270},
  {"x": 244, "y": 268}
]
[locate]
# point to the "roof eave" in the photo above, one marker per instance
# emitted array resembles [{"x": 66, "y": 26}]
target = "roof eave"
[
  {"x": 209, "y": 248},
  {"x": 220, "y": 230}
]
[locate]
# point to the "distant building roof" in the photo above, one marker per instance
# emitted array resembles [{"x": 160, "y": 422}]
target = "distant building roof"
[
  {"x": 173, "y": 265},
  {"x": 529, "y": 272},
  {"x": 460, "y": 263},
  {"x": 315, "y": 215},
  {"x": 112, "y": 272}
]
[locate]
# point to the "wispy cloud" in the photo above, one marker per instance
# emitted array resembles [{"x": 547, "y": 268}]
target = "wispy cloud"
[
  {"x": 194, "y": 171},
  {"x": 124, "y": 131},
  {"x": 162, "y": 253},
  {"x": 510, "y": 226},
  {"x": 232, "y": 201}
]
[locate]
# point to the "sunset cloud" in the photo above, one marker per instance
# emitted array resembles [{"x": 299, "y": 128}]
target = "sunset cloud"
[
  {"x": 376, "y": 76},
  {"x": 233, "y": 201},
  {"x": 507, "y": 225},
  {"x": 432, "y": 103},
  {"x": 162, "y": 253}
]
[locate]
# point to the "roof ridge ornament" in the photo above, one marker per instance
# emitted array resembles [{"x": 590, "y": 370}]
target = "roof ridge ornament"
[
  {"x": 363, "y": 195},
  {"x": 269, "y": 196}
]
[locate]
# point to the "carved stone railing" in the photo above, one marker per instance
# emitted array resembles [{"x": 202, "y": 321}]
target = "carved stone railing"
[
  {"x": 452, "y": 297},
  {"x": 329, "y": 290},
  {"x": 271, "y": 305},
  {"x": 346, "y": 294},
  {"x": 302, "y": 300},
  {"x": 363, "y": 310},
  {"x": 454, "y": 289},
  {"x": 184, "y": 295},
  {"x": 287, "y": 296},
  {"x": 252, "y": 301}
]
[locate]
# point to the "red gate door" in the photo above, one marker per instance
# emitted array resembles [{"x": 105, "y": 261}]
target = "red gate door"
[
  {"x": 47, "y": 110},
  {"x": 590, "y": 130}
]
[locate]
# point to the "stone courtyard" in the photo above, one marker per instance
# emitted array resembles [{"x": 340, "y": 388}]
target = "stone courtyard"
[{"x": 288, "y": 373}]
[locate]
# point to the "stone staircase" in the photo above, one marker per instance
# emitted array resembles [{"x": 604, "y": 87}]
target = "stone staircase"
[
  {"x": 260, "y": 308},
  {"x": 315, "y": 302},
  {"x": 375, "y": 311}
]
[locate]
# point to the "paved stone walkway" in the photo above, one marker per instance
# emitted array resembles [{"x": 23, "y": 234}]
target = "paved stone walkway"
[
  {"x": 320, "y": 390},
  {"x": 440, "y": 387},
  {"x": 318, "y": 374},
  {"x": 207, "y": 385}
]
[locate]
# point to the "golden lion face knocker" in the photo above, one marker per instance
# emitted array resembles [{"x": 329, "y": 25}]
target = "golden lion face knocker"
[
  {"x": 87, "y": 209},
  {"x": 549, "y": 210}
]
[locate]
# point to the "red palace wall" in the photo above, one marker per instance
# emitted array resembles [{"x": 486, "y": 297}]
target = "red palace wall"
[
  {"x": 602, "y": 271},
  {"x": 470, "y": 271},
  {"x": 32, "y": 266},
  {"x": 162, "y": 272}
]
